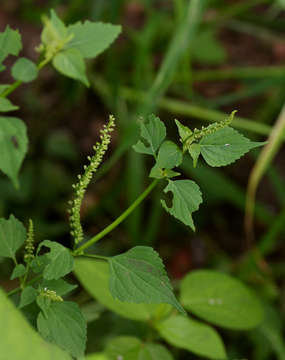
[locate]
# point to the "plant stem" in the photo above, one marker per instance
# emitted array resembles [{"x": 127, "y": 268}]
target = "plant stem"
[
  {"x": 115, "y": 223},
  {"x": 18, "y": 289}
]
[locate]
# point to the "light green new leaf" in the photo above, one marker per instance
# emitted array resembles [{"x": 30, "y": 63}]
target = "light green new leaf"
[
  {"x": 24, "y": 70},
  {"x": 6, "y": 105},
  {"x": 19, "y": 270},
  {"x": 153, "y": 132},
  {"x": 64, "y": 325},
  {"x": 12, "y": 236},
  {"x": 139, "y": 276},
  {"x": 220, "y": 299},
  {"x": 13, "y": 145},
  {"x": 192, "y": 335},
  {"x": 91, "y": 38},
  {"x": 54, "y": 30},
  {"x": 60, "y": 286},
  {"x": 186, "y": 199},
  {"x": 132, "y": 348},
  {"x": 71, "y": 63},
  {"x": 28, "y": 295},
  {"x": 27, "y": 340},
  {"x": 60, "y": 260},
  {"x": 10, "y": 43},
  {"x": 169, "y": 155},
  {"x": 97, "y": 285},
  {"x": 225, "y": 146},
  {"x": 194, "y": 151}
]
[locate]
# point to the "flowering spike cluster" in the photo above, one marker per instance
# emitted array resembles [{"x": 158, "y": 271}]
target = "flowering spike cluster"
[
  {"x": 100, "y": 149},
  {"x": 199, "y": 133},
  {"x": 50, "y": 294},
  {"x": 29, "y": 247}
]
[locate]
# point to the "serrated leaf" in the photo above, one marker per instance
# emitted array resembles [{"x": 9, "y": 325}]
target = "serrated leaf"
[
  {"x": 60, "y": 286},
  {"x": 54, "y": 29},
  {"x": 12, "y": 236},
  {"x": 153, "y": 132},
  {"x": 169, "y": 155},
  {"x": 28, "y": 295},
  {"x": 19, "y": 270},
  {"x": 28, "y": 341},
  {"x": 186, "y": 199},
  {"x": 71, "y": 63},
  {"x": 63, "y": 324},
  {"x": 194, "y": 151},
  {"x": 97, "y": 285},
  {"x": 60, "y": 260},
  {"x": 24, "y": 70},
  {"x": 6, "y": 105},
  {"x": 13, "y": 145},
  {"x": 10, "y": 43},
  {"x": 184, "y": 131},
  {"x": 139, "y": 276},
  {"x": 132, "y": 348},
  {"x": 220, "y": 299},
  {"x": 225, "y": 146},
  {"x": 92, "y": 38},
  {"x": 193, "y": 336}
]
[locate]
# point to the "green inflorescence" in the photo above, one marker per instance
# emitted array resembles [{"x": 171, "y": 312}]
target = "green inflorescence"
[
  {"x": 50, "y": 294},
  {"x": 29, "y": 247},
  {"x": 100, "y": 149},
  {"x": 197, "y": 134}
]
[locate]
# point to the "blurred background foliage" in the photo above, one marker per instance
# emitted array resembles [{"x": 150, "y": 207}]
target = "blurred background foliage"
[{"x": 194, "y": 62}]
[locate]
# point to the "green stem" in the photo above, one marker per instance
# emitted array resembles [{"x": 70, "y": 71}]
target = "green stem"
[
  {"x": 115, "y": 223},
  {"x": 18, "y": 289}
]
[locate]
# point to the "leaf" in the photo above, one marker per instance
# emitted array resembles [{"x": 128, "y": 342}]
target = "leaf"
[
  {"x": 138, "y": 276},
  {"x": 221, "y": 300},
  {"x": 132, "y": 348},
  {"x": 63, "y": 324},
  {"x": 186, "y": 199},
  {"x": 12, "y": 236},
  {"x": 54, "y": 29},
  {"x": 10, "y": 43},
  {"x": 153, "y": 132},
  {"x": 159, "y": 173},
  {"x": 28, "y": 295},
  {"x": 60, "y": 286},
  {"x": 24, "y": 70},
  {"x": 225, "y": 146},
  {"x": 19, "y": 270},
  {"x": 195, "y": 151},
  {"x": 207, "y": 49},
  {"x": 13, "y": 145},
  {"x": 97, "y": 285},
  {"x": 3, "y": 87},
  {"x": 27, "y": 340},
  {"x": 70, "y": 63},
  {"x": 60, "y": 260},
  {"x": 96, "y": 356},
  {"x": 169, "y": 155},
  {"x": 184, "y": 131},
  {"x": 91, "y": 38},
  {"x": 6, "y": 105},
  {"x": 192, "y": 335}
]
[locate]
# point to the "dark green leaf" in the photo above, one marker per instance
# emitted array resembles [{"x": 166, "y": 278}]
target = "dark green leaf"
[
  {"x": 28, "y": 296},
  {"x": 153, "y": 132},
  {"x": 138, "y": 276},
  {"x": 169, "y": 155},
  {"x": 12, "y": 236},
  {"x": 60, "y": 260},
  {"x": 184, "y": 131},
  {"x": 19, "y": 270},
  {"x": 194, "y": 151},
  {"x": 64, "y": 325},
  {"x": 10, "y": 43},
  {"x": 221, "y": 300},
  {"x": 13, "y": 145},
  {"x": 60, "y": 286},
  {"x": 186, "y": 199}
]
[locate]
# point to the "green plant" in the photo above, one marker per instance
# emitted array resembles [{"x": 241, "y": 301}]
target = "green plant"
[{"x": 135, "y": 283}]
